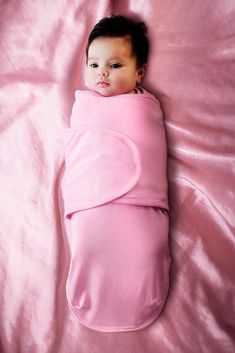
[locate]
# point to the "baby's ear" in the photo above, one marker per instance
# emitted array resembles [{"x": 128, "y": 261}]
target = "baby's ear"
[{"x": 141, "y": 73}]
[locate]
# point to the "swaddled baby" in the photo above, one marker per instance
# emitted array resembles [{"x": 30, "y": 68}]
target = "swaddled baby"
[{"x": 115, "y": 186}]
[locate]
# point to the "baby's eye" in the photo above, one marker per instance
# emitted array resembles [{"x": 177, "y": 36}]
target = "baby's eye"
[
  {"x": 115, "y": 66},
  {"x": 93, "y": 65}
]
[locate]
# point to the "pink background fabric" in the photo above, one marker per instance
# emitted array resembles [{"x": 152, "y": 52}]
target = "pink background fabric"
[{"x": 192, "y": 72}]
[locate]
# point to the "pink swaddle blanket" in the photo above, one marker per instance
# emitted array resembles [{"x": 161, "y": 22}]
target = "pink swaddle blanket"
[{"x": 115, "y": 199}]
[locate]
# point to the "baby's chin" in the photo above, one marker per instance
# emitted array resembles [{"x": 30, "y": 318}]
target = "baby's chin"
[{"x": 108, "y": 93}]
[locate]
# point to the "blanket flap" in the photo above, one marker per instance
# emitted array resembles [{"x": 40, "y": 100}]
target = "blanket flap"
[{"x": 101, "y": 165}]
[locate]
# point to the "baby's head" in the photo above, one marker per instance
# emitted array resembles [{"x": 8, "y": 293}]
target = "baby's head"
[{"x": 116, "y": 55}]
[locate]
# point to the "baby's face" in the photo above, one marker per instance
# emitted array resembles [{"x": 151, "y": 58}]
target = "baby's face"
[{"x": 111, "y": 67}]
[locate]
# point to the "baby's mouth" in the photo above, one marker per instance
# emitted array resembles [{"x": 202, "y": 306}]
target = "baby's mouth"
[{"x": 103, "y": 84}]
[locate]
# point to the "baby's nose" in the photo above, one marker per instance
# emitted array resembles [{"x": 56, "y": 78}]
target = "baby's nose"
[{"x": 103, "y": 72}]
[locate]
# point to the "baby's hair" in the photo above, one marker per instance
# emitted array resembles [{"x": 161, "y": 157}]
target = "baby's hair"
[{"x": 120, "y": 26}]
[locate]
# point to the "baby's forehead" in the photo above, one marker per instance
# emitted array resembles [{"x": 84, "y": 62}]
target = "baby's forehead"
[
  {"x": 125, "y": 38},
  {"x": 111, "y": 41},
  {"x": 106, "y": 45}
]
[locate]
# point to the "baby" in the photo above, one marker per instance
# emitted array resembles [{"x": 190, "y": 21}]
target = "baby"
[{"x": 115, "y": 186}]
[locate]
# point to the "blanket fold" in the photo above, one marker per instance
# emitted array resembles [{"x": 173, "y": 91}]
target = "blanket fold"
[{"x": 115, "y": 150}]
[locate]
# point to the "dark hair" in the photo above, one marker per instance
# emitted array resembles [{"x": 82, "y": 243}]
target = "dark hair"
[{"x": 120, "y": 26}]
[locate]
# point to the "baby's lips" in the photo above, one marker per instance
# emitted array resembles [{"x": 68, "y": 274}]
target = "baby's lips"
[{"x": 103, "y": 84}]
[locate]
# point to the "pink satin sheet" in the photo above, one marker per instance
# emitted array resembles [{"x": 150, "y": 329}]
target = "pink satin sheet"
[{"x": 192, "y": 72}]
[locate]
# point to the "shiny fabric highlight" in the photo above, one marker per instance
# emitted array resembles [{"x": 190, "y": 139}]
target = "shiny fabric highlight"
[{"x": 192, "y": 71}]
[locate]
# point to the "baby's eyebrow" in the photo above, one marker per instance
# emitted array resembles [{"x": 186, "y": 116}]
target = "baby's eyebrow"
[
  {"x": 92, "y": 58},
  {"x": 116, "y": 59},
  {"x": 111, "y": 59}
]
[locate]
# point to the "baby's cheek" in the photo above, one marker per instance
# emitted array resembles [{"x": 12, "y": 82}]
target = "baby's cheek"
[{"x": 89, "y": 80}]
